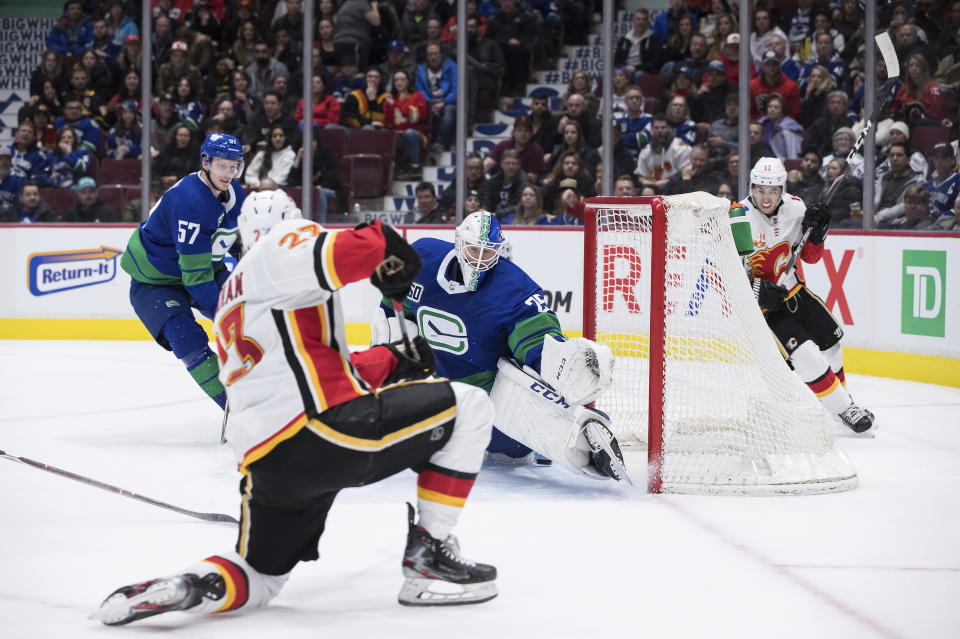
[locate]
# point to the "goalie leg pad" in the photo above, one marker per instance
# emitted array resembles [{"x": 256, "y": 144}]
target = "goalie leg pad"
[
  {"x": 532, "y": 413},
  {"x": 578, "y": 368}
]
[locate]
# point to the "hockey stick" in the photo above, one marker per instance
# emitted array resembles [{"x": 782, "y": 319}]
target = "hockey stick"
[
  {"x": 217, "y": 517},
  {"x": 389, "y": 266},
  {"x": 885, "y": 46},
  {"x": 223, "y": 426}
]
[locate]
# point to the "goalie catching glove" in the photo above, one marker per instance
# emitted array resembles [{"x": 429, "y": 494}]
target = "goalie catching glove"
[
  {"x": 817, "y": 219},
  {"x": 399, "y": 267},
  {"x": 419, "y": 364}
]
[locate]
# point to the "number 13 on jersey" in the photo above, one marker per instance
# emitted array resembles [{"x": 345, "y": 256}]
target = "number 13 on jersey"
[{"x": 230, "y": 333}]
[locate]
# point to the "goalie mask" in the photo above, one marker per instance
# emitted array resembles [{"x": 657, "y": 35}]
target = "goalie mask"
[
  {"x": 479, "y": 244},
  {"x": 767, "y": 179},
  {"x": 261, "y": 211}
]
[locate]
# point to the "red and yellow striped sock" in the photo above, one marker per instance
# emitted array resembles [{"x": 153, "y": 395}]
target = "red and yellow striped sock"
[{"x": 441, "y": 494}]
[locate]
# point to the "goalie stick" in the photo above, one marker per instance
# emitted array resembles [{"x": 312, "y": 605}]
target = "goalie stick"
[
  {"x": 885, "y": 46},
  {"x": 215, "y": 517}
]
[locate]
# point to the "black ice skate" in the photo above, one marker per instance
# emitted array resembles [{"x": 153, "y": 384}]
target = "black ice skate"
[
  {"x": 605, "y": 455},
  {"x": 150, "y": 598},
  {"x": 436, "y": 574},
  {"x": 859, "y": 420}
]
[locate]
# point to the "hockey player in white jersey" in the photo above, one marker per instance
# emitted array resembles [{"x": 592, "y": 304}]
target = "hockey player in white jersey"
[
  {"x": 807, "y": 333},
  {"x": 490, "y": 327},
  {"x": 308, "y": 419}
]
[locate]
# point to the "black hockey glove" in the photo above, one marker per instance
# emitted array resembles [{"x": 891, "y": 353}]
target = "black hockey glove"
[
  {"x": 769, "y": 295},
  {"x": 817, "y": 218},
  {"x": 417, "y": 365},
  {"x": 399, "y": 267}
]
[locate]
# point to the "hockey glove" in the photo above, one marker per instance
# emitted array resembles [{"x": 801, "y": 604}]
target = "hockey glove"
[
  {"x": 417, "y": 365},
  {"x": 817, "y": 218},
  {"x": 769, "y": 295},
  {"x": 400, "y": 265}
]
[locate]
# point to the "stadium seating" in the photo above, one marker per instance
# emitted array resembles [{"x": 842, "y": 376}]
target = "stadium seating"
[
  {"x": 113, "y": 196},
  {"x": 59, "y": 199},
  {"x": 923, "y": 138},
  {"x": 124, "y": 172}
]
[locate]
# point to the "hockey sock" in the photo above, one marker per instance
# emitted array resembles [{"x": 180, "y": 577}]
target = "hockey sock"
[
  {"x": 812, "y": 367},
  {"x": 834, "y": 355},
  {"x": 232, "y": 583},
  {"x": 203, "y": 368},
  {"x": 441, "y": 494},
  {"x": 446, "y": 480},
  {"x": 188, "y": 341}
]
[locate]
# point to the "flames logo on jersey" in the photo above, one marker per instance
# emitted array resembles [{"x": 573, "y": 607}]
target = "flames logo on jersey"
[{"x": 769, "y": 263}]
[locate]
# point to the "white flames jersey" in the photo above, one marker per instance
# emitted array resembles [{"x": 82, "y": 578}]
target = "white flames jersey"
[
  {"x": 774, "y": 237},
  {"x": 280, "y": 333}
]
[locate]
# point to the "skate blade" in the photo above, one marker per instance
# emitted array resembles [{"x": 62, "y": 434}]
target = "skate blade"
[
  {"x": 419, "y": 591},
  {"x": 124, "y": 609}
]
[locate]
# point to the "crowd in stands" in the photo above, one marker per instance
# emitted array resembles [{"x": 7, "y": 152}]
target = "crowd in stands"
[{"x": 235, "y": 66}]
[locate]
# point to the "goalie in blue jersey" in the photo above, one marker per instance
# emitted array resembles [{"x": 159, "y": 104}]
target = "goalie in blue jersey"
[{"x": 488, "y": 324}]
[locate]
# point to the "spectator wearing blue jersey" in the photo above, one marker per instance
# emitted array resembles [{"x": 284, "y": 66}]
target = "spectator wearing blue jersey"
[
  {"x": 826, "y": 56},
  {"x": 73, "y": 32},
  {"x": 176, "y": 258},
  {"x": 120, "y": 25},
  {"x": 31, "y": 207},
  {"x": 634, "y": 122},
  {"x": 667, "y": 22},
  {"x": 102, "y": 43},
  {"x": 944, "y": 182},
  {"x": 87, "y": 131},
  {"x": 9, "y": 186},
  {"x": 67, "y": 161},
  {"x": 186, "y": 104},
  {"x": 28, "y": 160},
  {"x": 437, "y": 81},
  {"x": 123, "y": 141}
]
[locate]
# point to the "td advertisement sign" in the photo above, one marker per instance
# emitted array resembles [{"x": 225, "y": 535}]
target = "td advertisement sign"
[{"x": 923, "y": 289}]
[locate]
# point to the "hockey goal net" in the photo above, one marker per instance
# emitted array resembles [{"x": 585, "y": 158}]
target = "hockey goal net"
[{"x": 699, "y": 380}]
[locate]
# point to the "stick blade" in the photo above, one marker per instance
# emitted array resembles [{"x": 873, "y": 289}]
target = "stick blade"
[{"x": 889, "y": 53}]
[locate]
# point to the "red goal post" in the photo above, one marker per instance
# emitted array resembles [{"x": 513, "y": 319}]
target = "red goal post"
[{"x": 699, "y": 380}]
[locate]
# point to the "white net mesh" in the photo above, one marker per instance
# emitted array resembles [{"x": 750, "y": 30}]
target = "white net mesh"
[{"x": 736, "y": 419}]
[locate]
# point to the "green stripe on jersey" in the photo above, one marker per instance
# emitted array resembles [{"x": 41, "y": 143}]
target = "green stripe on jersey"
[
  {"x": 136, "y": 263},
  {"x": 529, "y": 333},
  {"x": 483, "y": 379},
  {"x": 196, "y": 268}
]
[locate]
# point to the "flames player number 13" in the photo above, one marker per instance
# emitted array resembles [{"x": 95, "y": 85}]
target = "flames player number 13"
[{"x": 231, "y": 334}]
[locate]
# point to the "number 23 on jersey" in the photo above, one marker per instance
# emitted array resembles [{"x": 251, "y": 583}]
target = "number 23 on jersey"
[{"x": 230, "y": 333}]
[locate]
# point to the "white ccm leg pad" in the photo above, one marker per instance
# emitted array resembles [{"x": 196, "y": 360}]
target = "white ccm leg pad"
[
  {"x": 578, "y": 368},
  {"x": 535, "y": 415},
  {"x": 386, "y": 330}
]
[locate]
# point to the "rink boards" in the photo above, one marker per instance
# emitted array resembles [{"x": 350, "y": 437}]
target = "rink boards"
[{"x": 896, "y": 295}]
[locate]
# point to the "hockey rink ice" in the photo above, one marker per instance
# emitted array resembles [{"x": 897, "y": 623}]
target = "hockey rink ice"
[{"x": 576, "y": 558}]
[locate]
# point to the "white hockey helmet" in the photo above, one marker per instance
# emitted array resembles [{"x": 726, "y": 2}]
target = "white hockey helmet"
[
  {"x": 261, "y": 211},
  {"x": 479, "y": 244},
  {"x": 768, "y": 172}
]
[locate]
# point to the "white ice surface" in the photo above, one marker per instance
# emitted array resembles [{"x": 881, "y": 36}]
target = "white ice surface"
[{"x": 575, "y": 559}]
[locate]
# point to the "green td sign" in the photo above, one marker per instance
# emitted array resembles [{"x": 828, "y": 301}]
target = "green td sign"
[{"x": 923, "y": 293}]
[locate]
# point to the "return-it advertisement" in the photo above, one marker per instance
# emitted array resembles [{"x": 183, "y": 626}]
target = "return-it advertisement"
[{"x": 890, "y": 292}]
